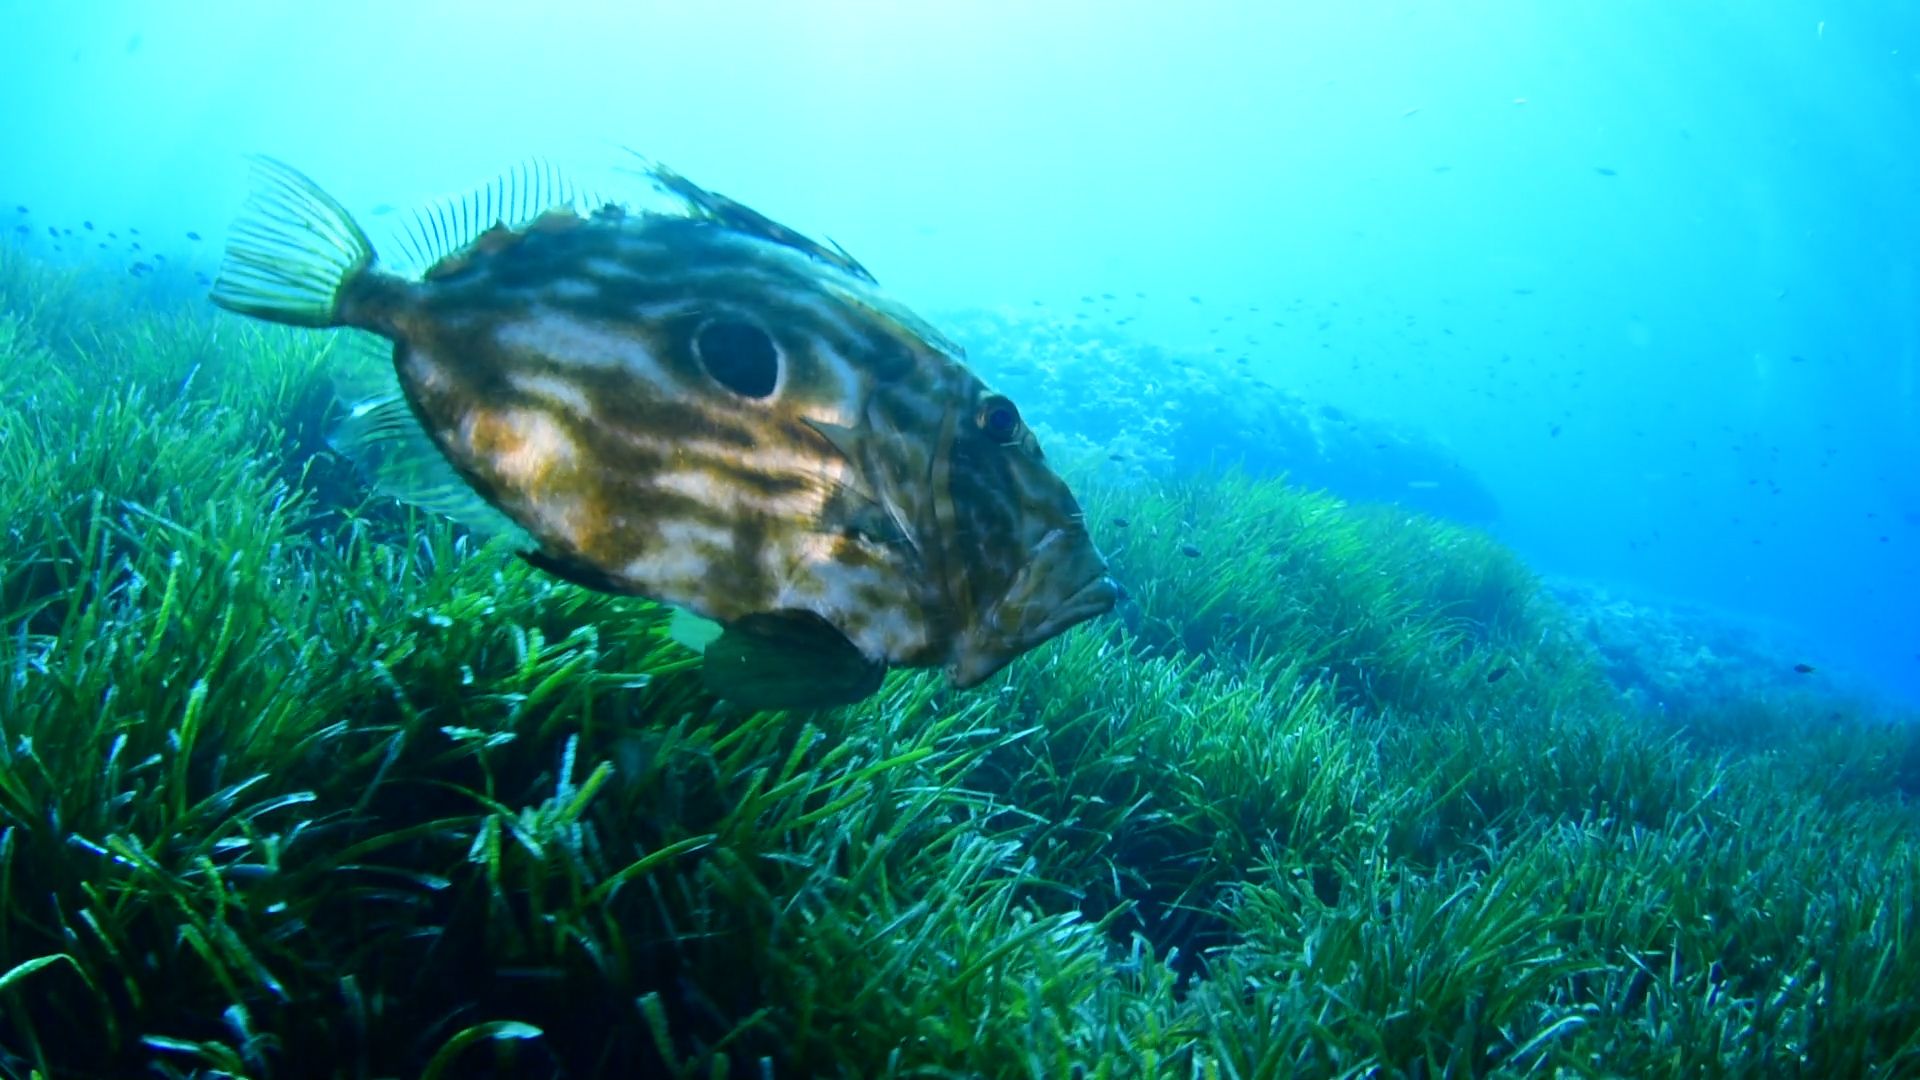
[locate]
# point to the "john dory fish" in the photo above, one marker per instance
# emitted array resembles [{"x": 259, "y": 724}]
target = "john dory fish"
[{"x": 701, "y": 407}]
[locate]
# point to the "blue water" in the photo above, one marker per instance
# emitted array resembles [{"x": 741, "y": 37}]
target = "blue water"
[{"x": 1650, "y": 267}]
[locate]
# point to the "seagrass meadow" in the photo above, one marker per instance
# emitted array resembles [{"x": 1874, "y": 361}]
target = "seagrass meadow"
[{"x": 298, "y": 783}]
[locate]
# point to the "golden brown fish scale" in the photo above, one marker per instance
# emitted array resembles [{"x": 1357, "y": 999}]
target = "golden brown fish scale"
[
  {"x": 694, "y": 496},
  {"x": 728, "y": 581}
]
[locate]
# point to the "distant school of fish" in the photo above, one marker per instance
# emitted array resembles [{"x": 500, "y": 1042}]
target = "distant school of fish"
[
  {"x": 700, "y": 407},
  {"x": 143, "y": 262}
]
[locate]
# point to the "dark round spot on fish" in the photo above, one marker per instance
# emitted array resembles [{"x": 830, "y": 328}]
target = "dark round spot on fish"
[
  {"x": 1000, "y": 420},
  {"x": 739, "y": 356}
]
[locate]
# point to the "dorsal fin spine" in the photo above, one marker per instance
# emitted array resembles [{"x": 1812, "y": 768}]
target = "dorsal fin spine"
[{"x": 514, "y": 199}]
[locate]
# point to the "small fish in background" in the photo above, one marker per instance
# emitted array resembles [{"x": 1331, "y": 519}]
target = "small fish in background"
[
  {"x": 1804, "y": 669},
  {"x": 139, "y": 268},
  {"x": 1498, "y": 673},
  {"x": 1190, "y": 551},
  {"x": 194, "y": 236},
  {"x": 20, "y": 210},
  {"x": 1121, "y": 523},
  {"x": 1604, "y": 171},
  {"x": 702, "y": 407},
  {"x": 87, "y": 225}
]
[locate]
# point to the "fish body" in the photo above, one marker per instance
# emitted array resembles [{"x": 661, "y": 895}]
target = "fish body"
[{"x": 703, "y": 408}]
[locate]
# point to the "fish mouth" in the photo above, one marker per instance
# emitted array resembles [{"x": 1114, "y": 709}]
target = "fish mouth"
[{"x": 1063, "y": 584}]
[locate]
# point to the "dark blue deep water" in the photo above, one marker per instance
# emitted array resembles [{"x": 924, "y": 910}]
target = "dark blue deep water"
[{"x": 1647, "y": 270}]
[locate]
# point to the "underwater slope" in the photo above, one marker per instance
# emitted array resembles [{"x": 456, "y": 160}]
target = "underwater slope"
[
  {"x": 1158, "y": 411},
  {"x": 296, "y": 784}
]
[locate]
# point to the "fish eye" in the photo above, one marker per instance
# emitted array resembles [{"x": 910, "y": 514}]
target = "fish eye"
[
  {"x": 1000, "y": 420},
  {"x": 739, "y": 355}
]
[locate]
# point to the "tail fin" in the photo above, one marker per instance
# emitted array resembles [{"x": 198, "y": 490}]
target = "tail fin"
[{"x": 292, "y": 253}]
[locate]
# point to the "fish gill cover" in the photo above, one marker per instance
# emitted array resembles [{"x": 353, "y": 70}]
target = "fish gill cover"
[{"x": 298, "y": 778}]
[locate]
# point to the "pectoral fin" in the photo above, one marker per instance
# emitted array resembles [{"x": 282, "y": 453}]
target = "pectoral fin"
[
  {"x": 379, "y": 433},
  {"x": 693, "y": 631},
  {"x": 788, "y": 660}
]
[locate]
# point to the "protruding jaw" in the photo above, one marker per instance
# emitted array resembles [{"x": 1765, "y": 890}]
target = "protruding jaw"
[{"x": 1063, "y": 584}]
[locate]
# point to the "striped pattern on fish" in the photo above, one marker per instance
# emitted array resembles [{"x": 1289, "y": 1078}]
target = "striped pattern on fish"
[{"x": 732, "y": 421}]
